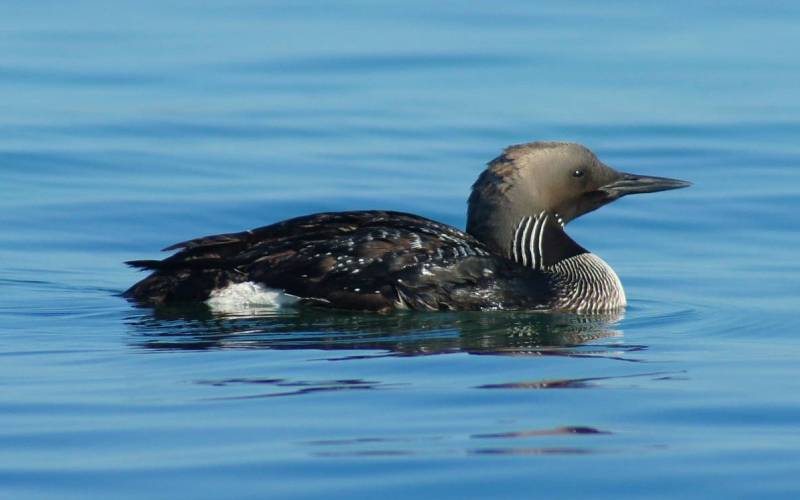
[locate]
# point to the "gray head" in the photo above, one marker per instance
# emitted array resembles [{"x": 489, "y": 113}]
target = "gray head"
[{"x": 564, "y": 180}]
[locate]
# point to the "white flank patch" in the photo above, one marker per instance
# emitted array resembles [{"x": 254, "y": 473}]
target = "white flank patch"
[{"x": 241, "y": 297}]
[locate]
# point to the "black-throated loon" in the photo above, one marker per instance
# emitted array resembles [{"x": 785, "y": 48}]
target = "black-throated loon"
[{"x": 513, "y": 255}]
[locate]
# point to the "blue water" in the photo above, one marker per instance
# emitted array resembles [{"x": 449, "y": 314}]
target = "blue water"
[{"x": 128, "y": 126}]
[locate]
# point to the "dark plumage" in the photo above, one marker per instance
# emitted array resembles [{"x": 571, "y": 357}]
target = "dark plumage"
[
  {"x": 371, "y": 260},
  {"x": 514, "y": 255}
]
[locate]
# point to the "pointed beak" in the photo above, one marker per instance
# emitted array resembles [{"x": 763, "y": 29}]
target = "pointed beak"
[{"x": 632, "y": 184}]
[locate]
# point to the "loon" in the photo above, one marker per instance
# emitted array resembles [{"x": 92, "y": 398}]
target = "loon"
[{"x": 514, "y": 254}]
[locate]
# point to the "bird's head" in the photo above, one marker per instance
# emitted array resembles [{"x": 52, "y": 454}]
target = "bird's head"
[{"x": 564, "y": 180}]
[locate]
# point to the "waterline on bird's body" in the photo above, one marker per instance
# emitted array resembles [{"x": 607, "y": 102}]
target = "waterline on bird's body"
[{"x": 246, "y": 296}]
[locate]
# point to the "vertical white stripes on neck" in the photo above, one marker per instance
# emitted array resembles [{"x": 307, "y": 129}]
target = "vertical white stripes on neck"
[
  {"x": 527, "y": 253},
  {"x": 515, "y": 244},
  {"x": 532, "y": 243},
  {"x": 527, "y": 248},
  {"x": 541, "y": 236}
]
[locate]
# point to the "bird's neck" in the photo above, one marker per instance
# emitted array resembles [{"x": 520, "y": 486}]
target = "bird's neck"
[
  {"x": 581, "y": 281},
  {"x": 538, "y": 241}
]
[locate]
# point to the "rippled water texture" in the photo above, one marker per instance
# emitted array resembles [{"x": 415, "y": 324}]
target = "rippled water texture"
[{"x": 128, "y": 126}]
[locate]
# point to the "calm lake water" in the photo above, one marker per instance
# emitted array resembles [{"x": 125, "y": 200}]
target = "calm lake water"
[{"x": 126, "y": 127}]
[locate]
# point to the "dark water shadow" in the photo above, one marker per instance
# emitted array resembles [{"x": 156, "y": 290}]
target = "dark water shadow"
[
  {"x": 566, "y": 440},
  {"x": 279, "y": 387},
  {"x": 400, "y": 334}
]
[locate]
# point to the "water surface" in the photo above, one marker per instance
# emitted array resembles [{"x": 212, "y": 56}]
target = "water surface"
[{"x": 126, "y": 129}]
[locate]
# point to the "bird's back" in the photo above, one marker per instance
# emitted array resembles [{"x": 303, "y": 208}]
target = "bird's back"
[{"x": 367, "y": 260}]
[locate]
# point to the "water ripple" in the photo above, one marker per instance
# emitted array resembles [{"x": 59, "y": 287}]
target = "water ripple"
[
  {"x": 577, "y": 383},
  {"x": 367, "y": 63},
  {"x": 412, "y": 334},
  {"x": 296, "y": 387}
]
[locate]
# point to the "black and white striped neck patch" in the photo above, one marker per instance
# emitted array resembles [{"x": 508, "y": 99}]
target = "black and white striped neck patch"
[{"x": 527, "y": 247}]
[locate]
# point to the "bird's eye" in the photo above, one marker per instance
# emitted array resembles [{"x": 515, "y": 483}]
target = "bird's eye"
[{"x": 577, "y": 173}]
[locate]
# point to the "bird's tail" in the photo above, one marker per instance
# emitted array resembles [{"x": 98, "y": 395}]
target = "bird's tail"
[{"x": 170, "y": 283}]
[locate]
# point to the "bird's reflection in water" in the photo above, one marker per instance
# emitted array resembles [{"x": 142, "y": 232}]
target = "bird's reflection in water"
[{"x": 399, "y": 334}]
